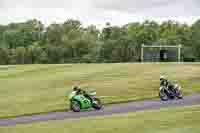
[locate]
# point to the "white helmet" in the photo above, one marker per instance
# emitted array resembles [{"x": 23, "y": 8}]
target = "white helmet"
[{"x": 162, "y": 77}]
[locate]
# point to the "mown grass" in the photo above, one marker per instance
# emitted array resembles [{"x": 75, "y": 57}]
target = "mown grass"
[
  {"x": 28, "y": 89},
  {"x": 171, "y": 120}
]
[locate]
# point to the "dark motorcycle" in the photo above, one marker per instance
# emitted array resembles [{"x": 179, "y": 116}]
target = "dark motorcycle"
[{"x": 170, "y": 91}]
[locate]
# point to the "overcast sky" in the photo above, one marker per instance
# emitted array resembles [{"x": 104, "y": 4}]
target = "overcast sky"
[{"x": 99, "y": 12}]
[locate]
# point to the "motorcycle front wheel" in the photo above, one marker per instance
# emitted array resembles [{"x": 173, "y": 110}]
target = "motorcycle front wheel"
[
  {"x": 163, "y": 96},
  {"x": 97, "y": 104},
  {"x": 179, "y": 94}
]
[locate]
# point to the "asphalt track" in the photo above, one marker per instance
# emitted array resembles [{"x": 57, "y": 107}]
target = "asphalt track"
[{"x": 108, "y": 110}]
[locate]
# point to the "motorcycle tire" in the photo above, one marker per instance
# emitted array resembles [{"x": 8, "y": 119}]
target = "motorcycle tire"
[
  {"x": 75, "y": 106},
  {"x": 163, "y": 96},
  {"x": 179, "y": 94},
  {"x": 97, "y": 104}
]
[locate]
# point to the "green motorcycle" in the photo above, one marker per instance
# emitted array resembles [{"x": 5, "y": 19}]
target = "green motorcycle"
[{"x": 84, "y": 101}]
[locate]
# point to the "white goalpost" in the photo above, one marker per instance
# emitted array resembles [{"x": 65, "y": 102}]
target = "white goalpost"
[{"x": 156, "y": 51}]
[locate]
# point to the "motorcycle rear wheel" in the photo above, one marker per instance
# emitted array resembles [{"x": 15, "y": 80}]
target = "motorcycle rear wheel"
[{"x": 75, "y": 106}]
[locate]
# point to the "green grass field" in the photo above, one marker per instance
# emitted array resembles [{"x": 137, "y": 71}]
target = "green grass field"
[
  {"x": 28, "y": 89},
  {"x": 171, "y": 120}
]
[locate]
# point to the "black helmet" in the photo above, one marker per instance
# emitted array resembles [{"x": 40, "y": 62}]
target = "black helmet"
[{"x": 75, "y": 88}]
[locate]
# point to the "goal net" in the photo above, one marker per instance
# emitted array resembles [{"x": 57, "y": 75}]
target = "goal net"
[{"x": 160, "y": 53}]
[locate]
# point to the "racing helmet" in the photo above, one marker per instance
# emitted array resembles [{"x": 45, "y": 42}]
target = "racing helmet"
[
  {"x": 162, "y": 77},
  {"x": 75, "y": 88}
]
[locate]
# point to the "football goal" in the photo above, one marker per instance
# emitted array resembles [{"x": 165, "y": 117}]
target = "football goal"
[{"x": 161, "y": 53}]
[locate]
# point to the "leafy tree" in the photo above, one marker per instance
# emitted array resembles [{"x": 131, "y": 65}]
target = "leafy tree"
[
  {"x": 30, "y": 42},
  {"x": 20, "y": 55},
  {"x": 195, "y": 39},
  {"x": 169, "y": 33},
  {"x": 4, "y": 56}
]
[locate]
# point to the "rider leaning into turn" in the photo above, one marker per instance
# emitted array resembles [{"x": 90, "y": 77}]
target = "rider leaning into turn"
[
  {"x": 77, "y": 90},
  {"x": 165, "y": 82}
]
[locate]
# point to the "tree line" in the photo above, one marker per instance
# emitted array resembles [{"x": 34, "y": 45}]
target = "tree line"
[{"x": 31, "y": 42}]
